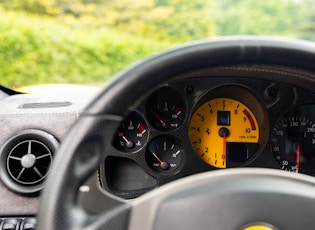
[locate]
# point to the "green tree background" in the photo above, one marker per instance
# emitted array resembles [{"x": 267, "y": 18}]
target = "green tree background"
[{"x": 87, "y": 41}]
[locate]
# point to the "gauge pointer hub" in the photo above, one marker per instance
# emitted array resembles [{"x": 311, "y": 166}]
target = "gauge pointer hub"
[
  {"x": 164, "y": 165},
  {"x": 224, "y": 132}
]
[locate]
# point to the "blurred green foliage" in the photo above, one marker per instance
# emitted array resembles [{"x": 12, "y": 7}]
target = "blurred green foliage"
[
  {"x": 87, "y": 41},
  {"x": 293, "y": 18},
  {"x": 37, "y": 50}
]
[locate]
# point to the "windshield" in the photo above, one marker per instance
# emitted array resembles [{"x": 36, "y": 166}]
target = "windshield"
[{"x": 88, "y": 41}]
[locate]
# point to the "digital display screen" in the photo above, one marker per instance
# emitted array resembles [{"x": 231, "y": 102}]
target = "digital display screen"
[{"x": 223, "y": 118}]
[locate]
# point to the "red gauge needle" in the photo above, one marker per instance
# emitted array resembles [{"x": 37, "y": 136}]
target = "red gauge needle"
[
  {"x": 297, "y": 155},
  {"x": 157, "y": 116},
  {"x": 163, "y": 164},
  {"x": 129, "y": 144}
]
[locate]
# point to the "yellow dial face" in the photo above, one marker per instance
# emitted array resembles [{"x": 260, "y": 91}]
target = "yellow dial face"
[{"x": 224, "y": 132}]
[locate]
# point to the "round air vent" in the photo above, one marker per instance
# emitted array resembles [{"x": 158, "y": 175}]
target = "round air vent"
[{"x": 25, "y": 160}]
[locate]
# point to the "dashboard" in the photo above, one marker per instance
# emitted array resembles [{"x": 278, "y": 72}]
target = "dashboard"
[
  {"x": 32, "y": 128},
  {"x": 207, "y": 119},
  {"x": 194, "y": 123},
  {"x": 230, "y": 121}
]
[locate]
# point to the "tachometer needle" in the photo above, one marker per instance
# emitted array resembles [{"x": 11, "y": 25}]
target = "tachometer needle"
[
  {"x": 224, "y": 133},
  {"x": 297, "y": 155},
  {"x": 224, "y": 147},
  {"x": 164, "y": 165}
]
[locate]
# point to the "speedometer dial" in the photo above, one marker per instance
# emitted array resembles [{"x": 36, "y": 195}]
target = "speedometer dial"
[
  {"x": 224, "y": 132},
  {"x": 293, "y": 140}
]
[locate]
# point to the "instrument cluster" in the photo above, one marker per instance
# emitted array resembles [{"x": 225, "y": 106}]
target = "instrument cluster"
[{"x": 192, "y": 125}]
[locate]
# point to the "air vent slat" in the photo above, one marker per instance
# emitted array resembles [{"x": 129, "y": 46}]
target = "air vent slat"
[{"x": 15, "y": 158}]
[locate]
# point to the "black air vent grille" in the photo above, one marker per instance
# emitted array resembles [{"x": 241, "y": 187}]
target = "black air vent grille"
[
  {"x": 28, "y": 162},
  {"x": 25, "y": 160}
]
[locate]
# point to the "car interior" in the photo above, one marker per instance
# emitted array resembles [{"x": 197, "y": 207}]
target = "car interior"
[
  {"x": 157, "y": 114},
  {"x": 215, "y": 133}
]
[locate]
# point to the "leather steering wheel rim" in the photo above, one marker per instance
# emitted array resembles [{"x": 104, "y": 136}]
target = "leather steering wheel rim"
[{"x": 82, "y": 151}]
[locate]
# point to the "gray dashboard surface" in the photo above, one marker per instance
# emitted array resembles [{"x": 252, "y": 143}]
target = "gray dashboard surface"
[{"x": 52, "y": 113}]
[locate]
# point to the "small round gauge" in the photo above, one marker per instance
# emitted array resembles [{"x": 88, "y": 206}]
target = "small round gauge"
[
  {"x": 165, "y": 109},
  {"x": 224, "y": 132},
  {"x": 293, "y": 140},
  {"x": 164, "y": 154},
  {"x": 132, "y": 134}
]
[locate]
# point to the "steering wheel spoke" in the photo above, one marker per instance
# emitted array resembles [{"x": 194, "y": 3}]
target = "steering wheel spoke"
[{"x": 81, "y": 156}]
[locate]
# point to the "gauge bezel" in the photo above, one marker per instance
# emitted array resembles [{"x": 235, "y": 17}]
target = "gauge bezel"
[
  {"x": 150, "y": 102},
  {"x": 140, "y": 116},
  {"x": 249, "y": 99},
  {"x": 295, "y": 112},
  {"x": 182, "y": 161}
]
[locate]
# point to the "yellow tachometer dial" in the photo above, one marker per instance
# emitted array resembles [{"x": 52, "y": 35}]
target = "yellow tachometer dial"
[{"x": 224, "y": 132}]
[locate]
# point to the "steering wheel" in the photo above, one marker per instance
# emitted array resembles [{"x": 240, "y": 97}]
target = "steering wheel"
[{"x": 225, "y": 199}]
